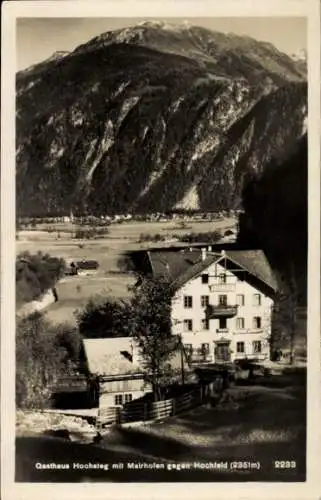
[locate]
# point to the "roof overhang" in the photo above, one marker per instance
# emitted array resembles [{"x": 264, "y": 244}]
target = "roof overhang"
[{"x": 117, "y": 378}]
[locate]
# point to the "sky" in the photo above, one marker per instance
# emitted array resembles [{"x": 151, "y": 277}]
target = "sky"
[{"x": 38, "y": 38}]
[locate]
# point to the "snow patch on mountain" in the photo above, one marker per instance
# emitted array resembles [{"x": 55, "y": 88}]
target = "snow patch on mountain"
[
  {"x": 299, "y": 55},
  {"x": 159, "y": 24}
]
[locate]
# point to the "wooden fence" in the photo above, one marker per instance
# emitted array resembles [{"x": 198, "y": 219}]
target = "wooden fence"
[{"x": 141, "y": 411}]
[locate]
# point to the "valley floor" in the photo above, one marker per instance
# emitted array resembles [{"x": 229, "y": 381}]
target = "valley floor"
[{"x": 74, "y": 292}]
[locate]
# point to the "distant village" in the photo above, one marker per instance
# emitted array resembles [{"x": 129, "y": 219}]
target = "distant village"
[{"x": 127, "y": 217}]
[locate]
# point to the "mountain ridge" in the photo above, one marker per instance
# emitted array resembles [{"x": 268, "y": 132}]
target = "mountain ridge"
[{"x": 125, "y": 127}]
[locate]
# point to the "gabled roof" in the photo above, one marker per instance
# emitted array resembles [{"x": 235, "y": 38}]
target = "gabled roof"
[
  {"x": 181, "y": 267},
  {"x": 108, "y": 356},
  {"x": 86, "y": 264},
  {"x": 255, "y": 262},
  {"x": 172, "y": 264},
  {"x": 195, "y": 270},
  {"x": 112, "y": 357}
]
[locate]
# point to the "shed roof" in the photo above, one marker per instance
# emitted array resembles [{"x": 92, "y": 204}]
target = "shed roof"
[{"x": 108, "y": 356}]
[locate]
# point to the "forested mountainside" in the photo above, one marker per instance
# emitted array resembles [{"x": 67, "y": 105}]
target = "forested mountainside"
[
  {"x": 154, "y": 117},
  {"x": 276, "y": 217}
]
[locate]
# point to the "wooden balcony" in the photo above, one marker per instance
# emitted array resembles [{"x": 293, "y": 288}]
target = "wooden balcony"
[{"x": 221, "y": 311}]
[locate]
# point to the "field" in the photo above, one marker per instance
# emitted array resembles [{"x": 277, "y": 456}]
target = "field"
[{"x": 74, "y": 292}]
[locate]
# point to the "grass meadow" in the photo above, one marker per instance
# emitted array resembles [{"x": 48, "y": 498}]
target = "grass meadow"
[{"x": 74, "y": 292}]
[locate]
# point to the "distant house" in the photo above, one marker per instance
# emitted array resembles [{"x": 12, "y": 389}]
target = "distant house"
[{"x": 83, "y": 267}]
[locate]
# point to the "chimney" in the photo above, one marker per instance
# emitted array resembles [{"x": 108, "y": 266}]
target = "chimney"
[{"x": 203, "y": 253}]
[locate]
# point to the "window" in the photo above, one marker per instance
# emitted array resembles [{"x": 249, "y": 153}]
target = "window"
[
  {"x": 204, "y": 279},
  {"x": 222, "y": 323},
  {"x": 222, "y": 278},
  {"x": 240, "y": 300},
  {"x": 240, "y": 323},
  {"x": 204, "y": 300},
  {"x": 257, "y": 322},
  {"x": 188, "y": 325},
  {"x": 205, "y": 348},
  {"x": 256, "y": 299},
  {"x": 128, "y": 398},
  {"x": 257, "y": 347},
  {"x": 188, "y": 350},
  {"x": 118, "y": 399},
  {"x": 222, "y": 300},
  {"x": 240, "y": 347},
  {"x": 205, "y": 324},
  {"x": 188, "y": 301}
]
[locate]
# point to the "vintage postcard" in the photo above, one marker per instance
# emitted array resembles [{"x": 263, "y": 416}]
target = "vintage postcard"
[{"x": 160, "y": 249}]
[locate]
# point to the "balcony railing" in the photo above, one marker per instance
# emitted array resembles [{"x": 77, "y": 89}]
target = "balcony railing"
[
  {"x": 221, "y": 311},
  {"x": 199, "y": 356},
  {"x": 248, "y": 331}
]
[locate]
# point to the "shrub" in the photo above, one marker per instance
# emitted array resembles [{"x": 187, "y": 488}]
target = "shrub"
[
  {"x": 146, "y": 237},
  {"x": 44, "y": 353},
  {"x": 208, "y": 237},
  {"x": 90, "y": 233},
  {"x": 35, "y": 274},
  {"x": 103, "y": 318}
]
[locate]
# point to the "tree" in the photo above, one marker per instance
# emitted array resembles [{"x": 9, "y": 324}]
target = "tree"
[
  {"x": 35, "y": 274},
  {"x": 69, "y": 339},
  {"x": 150, "y": 326},
  {"x": 207, "y": 237},
  {"x": 104, "y": 318},
  {"x": 42, "y": 357},
  {"x": 147, "y": 318},
  {"x": 285, "y": 312}
]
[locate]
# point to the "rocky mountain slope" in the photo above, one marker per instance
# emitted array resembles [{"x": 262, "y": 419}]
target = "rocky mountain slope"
[{"x": 154, "y": 117}]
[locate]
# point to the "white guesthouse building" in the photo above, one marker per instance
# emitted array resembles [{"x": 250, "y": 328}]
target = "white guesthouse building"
[{"x": 222, "y": 307}]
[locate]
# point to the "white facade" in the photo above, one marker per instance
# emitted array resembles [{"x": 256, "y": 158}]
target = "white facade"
[
  {"x": 119, "y": 392},
  {"x": 243, "y": 330}
]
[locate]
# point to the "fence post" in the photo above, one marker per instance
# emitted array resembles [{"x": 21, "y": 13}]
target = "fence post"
[
  {"x": 173, "y": 406},
  {"x": 98, "y": 422},
  {"x": 119, "y": 415}
]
